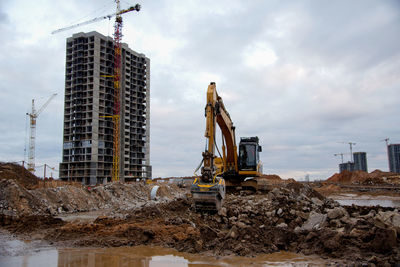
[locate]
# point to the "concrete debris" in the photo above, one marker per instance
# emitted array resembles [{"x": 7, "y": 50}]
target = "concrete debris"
[{"x": 17, "y": 201}]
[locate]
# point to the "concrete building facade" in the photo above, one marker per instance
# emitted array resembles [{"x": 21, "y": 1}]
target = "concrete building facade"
[
  {"x": 347, "y": 166},
  {"x": 88, "y": 132},
  {"x": 394, "y": 157},
  {"x": 360, "y": 161}
]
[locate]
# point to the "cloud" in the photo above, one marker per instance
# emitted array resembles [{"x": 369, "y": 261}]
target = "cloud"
[{"x": 302, "y": 75}]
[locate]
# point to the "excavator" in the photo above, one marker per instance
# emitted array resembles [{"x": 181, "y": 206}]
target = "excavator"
[{"x": 229, "y": 170}]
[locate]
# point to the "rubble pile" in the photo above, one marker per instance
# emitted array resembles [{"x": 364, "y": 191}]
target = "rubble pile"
[
  {"x": 17, "y": 201},
  {"x": 290, "y": 216}
]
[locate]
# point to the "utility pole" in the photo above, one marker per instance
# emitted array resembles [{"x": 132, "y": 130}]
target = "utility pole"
[{"x": 51, "y": 168}]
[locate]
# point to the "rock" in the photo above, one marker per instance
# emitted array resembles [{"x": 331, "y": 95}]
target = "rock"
[
  {"x": 199, "y": 245},
  {"x": 279, "y": 212},
  {"x": 302, "y": 215},
  {"x": 232, "y": 219},
  {"x": 222, "y": 212},
  {"x": 241, "y": 225},
  {"x": 314, "y": 222},
  {"x": 317, "y": 201},
  {"x": 242, "y": 217},
  {"x": 336, "y": 213},
  {"x": 282, "y": 225},
  {"x": 335, "y": 223},
  {"x": 276, "y": 191},
  {"x": 356, "y": 233},
  {"x": 269, "y": 214},
  {"x": 389, "y": 218},
  {"x": 298, "y": 220},
  {"x": 349, "y": 221}
]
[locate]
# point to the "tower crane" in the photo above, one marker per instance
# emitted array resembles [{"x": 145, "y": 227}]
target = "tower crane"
[
  {"x": 339, "y": 154},
  {"x": 33, "y": 116},
  {"x": 386, "y": 140},
  {"x": 116, "y": 77},
  {"x": 118, "y": 13},
  {"x": 387, "y": 148},
  {"x": 351, "y": 144}
]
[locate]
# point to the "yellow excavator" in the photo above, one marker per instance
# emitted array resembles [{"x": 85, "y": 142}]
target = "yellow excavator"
[{"x": 229, "y": 170}]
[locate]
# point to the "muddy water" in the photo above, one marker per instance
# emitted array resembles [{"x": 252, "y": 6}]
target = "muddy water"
[
  {"x": 365, "y": 200},
  {"x": 144, "y": 256}
]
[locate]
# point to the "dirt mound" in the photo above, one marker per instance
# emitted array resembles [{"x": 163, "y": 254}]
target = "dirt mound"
[
  {"x": 19, "y": 174},
  {"x": 361, "y": 177},
  {"x": 381, "y": 174},
  {"x": 270, "y": 177},
  {"x": 349, "y": 177},
  {"x": 328, "y": 189}
]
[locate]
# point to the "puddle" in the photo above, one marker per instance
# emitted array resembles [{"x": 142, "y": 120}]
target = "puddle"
[
  {"x": 144, "y": 256},
  {"x": 365, "y": 200}
]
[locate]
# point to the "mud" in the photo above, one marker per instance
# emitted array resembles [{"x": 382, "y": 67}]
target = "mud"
[{"x": 144, "y": 256}]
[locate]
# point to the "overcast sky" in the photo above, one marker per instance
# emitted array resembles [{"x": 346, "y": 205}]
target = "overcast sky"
[{"x": 303, "y": 76}]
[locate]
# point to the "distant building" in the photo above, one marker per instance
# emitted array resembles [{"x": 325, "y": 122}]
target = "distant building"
[
  {"x": 360, "y": 161},
  {"x": 394, "y": 157},
  {"x": 348, "y": 166}
]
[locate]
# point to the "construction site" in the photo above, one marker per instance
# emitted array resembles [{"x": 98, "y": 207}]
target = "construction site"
[
  {"x": 106, "y": 208},
  {"x": 283, "y": 216}
]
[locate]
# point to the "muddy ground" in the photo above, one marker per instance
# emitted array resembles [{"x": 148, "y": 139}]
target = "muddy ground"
[{"x": 288, "y": 216}]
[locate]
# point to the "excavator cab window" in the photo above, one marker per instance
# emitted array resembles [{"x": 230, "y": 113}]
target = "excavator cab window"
[{"x": 248, "y": 156}]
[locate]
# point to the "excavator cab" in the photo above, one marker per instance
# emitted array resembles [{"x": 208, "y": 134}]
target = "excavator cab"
[{"x": 249, "y": 156}]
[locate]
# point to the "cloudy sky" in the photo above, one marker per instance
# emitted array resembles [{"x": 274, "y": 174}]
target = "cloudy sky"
[{"x": 304, "y": 76}]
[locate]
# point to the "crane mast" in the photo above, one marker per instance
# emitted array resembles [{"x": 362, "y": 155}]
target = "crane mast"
[
  {"x": 32, "y": 136},
  {"x": 116, "y": 115}
]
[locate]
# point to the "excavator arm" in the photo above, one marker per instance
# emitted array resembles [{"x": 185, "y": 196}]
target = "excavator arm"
[{"x": 217, "y": 114}]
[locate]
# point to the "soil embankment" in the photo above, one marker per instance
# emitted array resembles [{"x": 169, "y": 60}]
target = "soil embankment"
[{"x": 290, "y": 217}]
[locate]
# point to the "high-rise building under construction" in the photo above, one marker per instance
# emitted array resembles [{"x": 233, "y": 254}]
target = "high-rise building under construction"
[
  {"x": 394, "y": 157},
  {"x": 88, "y": 109},
  {"x": 360, "y": 161}
]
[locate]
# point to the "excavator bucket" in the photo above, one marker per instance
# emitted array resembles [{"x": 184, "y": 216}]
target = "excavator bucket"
[{"x": 208, "y": 196}]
